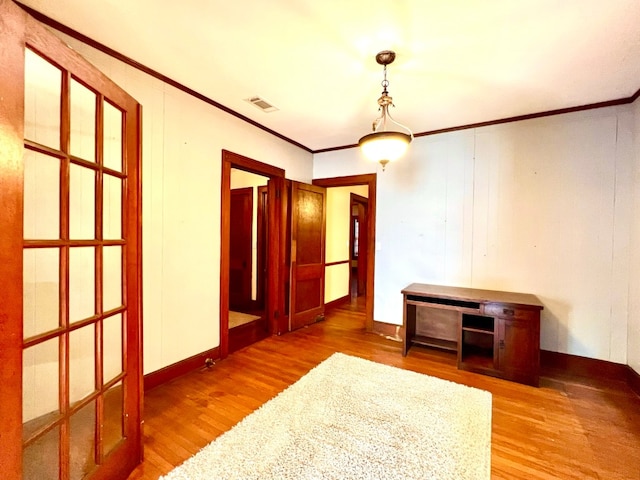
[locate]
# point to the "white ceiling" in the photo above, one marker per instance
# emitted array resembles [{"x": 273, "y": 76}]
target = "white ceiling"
[{"x": 458, "y": 61}]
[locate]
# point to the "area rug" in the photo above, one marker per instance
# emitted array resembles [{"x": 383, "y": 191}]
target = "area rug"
[
  {"x": 350, "y": 418},
  {"x": 238, "y": 318}
]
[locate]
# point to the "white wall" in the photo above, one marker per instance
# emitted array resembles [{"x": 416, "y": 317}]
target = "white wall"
[
  {"x": 182, "y": 143},
  {"x": 540, "y": 206},
  {"x": 337, "y": 239},
  {"x": 633, "y": 341}
]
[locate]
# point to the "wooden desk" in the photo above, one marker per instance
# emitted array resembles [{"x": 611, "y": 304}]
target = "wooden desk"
[{"x": 494, "y": 333}]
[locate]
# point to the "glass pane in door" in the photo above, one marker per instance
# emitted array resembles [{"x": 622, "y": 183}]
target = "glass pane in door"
[
  {"x": 41, "y": 196},
  {"x": 112, "y": 422},
  {"x": 41, "y": 290},
  {"x": 81, "y": 283},
  {"x": 112, "y": 347},
  {"x": 83, "y": 122},
  {"x": 43, "y": 85},
  {"x": 40, "y": 386},
  {"x": 82, "y": 363},
  {"x": 82, "y": 442},
  {"x": 82, "y": 202},
  {"x": 112, "y": 137},
  {"x": 111, "y": 207},
  {"x": 112, "y": 277},
  {"x": 41, "y": 459}
]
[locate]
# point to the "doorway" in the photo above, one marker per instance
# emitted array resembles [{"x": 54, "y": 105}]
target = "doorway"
[
  {"x": 370, "y": 181},
  {"x": 358, "y": 251},
  {"x": 249, "y": 257}
]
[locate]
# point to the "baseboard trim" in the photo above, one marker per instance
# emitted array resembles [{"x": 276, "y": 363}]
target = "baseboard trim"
[
  {"x": 563, "y": 363},
  {"x": 154, "y": 379},
  {"x": 336, "y": 303},
  {"x": 389, "y": 330},
  {"x": 633, "y": 378}
]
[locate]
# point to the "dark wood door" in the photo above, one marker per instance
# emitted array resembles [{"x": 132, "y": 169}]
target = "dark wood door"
[
  {"x": 70, "y": 265},
  {"x": 240, "y": 248},
  {"x": 308, "y": 214}
]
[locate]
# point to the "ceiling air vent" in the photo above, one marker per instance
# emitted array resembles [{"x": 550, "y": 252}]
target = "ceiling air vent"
[{"x": 261, "y": 103}]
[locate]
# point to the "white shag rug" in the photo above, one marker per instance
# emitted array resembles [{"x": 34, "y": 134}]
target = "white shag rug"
[{"x": 350, "y": 418}]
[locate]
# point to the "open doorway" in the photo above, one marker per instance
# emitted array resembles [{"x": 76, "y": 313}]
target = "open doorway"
[
  {"x": 247, "y": 249},
  {"x": 249, "y": 258},
  {"x": 369, "y": 182},
  {"x": 358, "y": 251}
]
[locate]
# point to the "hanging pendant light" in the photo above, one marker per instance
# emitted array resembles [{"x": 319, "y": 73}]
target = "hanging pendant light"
[{"x": 385, "y": 145}]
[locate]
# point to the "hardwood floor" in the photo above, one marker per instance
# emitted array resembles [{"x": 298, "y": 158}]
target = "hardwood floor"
[{"x": 568, "y": 428}]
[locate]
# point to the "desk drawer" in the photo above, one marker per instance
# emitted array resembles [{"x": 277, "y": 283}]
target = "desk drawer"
[{"x": 509, "y": 311}]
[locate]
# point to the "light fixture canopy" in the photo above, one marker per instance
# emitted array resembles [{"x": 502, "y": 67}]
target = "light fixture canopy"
[{"x": 385, "y": 145}]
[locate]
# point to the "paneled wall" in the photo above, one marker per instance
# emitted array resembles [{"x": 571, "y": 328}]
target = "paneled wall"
[
  {"x": 541, "y": 206},
  {"x": 181, "y": 162},
  {"x": 634, "y": 289}
]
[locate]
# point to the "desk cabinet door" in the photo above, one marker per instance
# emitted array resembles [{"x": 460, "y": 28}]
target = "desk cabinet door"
[{"x": 516, "y": 350}]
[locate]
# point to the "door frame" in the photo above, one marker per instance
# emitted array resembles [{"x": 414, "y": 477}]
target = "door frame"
[
  {"x": 349, "y": 181},
  {"x": 276, "y": 176}
]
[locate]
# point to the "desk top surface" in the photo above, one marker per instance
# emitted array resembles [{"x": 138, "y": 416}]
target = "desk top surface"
[{"x": 472, "y": 294}]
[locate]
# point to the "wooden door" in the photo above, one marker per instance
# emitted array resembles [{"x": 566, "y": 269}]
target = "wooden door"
[
  {"x": 308, "y": 214},
  {"x": 240, "y": 248},
  {"x": 70, "y": 265}
]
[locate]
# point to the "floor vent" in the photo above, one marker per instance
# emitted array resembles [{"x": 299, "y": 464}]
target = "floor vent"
[{"x": 262, "y": 104}]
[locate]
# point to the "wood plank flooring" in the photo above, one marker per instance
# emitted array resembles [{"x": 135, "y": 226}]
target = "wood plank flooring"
[{"x": 568, "y": 428}]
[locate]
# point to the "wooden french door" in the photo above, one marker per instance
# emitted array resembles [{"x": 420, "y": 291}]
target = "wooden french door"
[
  {"x": 71, "y": 256},
  {"x": 308, "y": 218}
]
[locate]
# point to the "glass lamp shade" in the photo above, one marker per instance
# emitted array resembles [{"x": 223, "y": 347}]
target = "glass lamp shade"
[{"x": 384, "y": 147}]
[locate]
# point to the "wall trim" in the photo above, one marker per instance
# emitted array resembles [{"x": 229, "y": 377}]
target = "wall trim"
[
  {"x": 175, "y": 370},
  {"x": 564, "y": 363},
  {"x": 389, "y": 330},
  {"x": 336, "y": 303},
  {"x": 332, "y": 264},
  {"x": 517, "y": 118},
  {"x": 633, "y": 379}
]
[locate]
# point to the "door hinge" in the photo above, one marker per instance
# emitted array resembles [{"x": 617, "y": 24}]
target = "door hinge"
[
  {"x": 277, "y": 193},
  {"x": 276, "y": 314}
]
